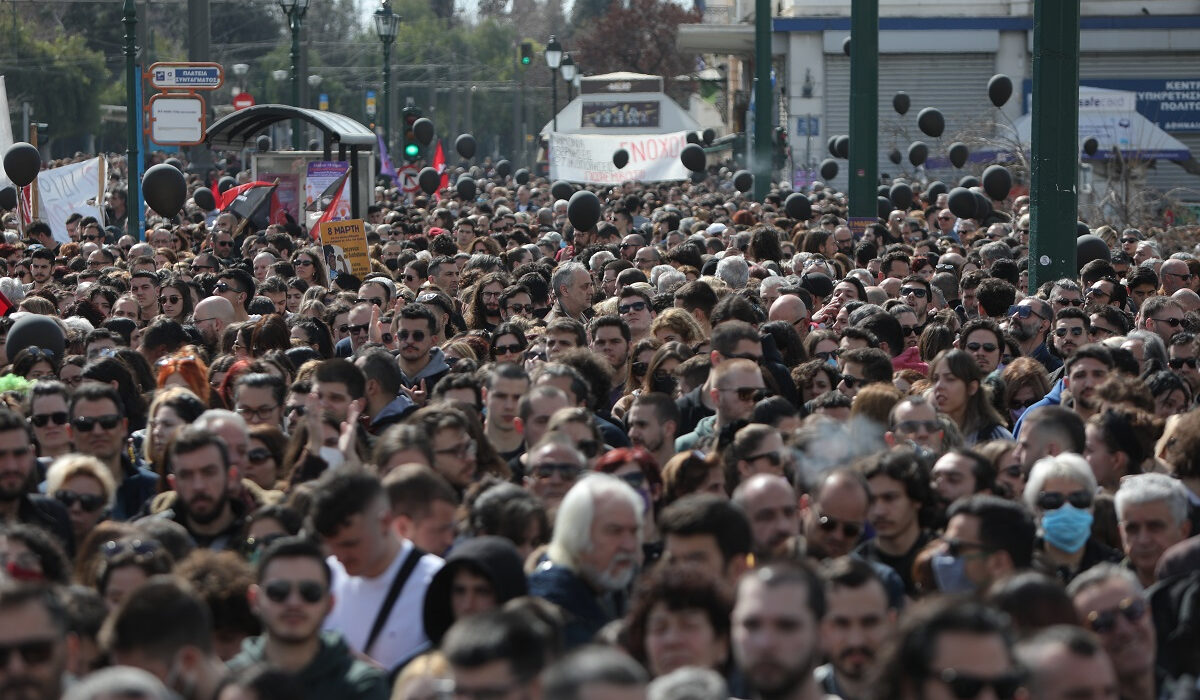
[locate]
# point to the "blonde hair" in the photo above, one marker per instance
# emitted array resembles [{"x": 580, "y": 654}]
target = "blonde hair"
[
  {"x": 73, "y": 465},
  {"x": 681, "y": 322}
]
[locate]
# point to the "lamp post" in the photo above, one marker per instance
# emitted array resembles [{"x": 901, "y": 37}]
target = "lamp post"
[
  {"x": 295, "y": 9},
  {"x": 240, "y": 70},
  {"x": 386, "y": 23},
  {"x": 133, "y": 201},
  {"x": 567, "y": 68},
  {"x": 554, "y": 54}
]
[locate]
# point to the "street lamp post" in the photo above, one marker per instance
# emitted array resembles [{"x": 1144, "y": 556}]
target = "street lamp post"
[
  {"x": 134, "y": 199},
  {"x": 386, "y": 23},
  {"x": 554, "y": 55},
  {"x": 240, "y": 70},
  {"x": 295, "y": 9},
  {"x": 568, "y": 70}
]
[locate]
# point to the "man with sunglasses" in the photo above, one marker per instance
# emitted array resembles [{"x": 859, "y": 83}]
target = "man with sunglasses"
[
  {"x": 17, "y": 467},
  {"x": 1029, "y": 321},
  {"x": 1110, "y": 602},
  {"x": 735, "y": 386},
  {"x": 237, "y": 286},
  {"x": 99, "y": 428},
  {"x": 1183, "y": 360},
  {"x": 291, "y": 597},
  {"x": 422, "y": 363},
  {"x": 1161, "y": 315},
  {"x": 1174, "y": 275},
  {"x": 37, "y": 645},
  {"x": 636, "y": 309}
]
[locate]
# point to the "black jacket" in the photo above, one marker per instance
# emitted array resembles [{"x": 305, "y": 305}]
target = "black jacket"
[{"x": 494, "y": 558}]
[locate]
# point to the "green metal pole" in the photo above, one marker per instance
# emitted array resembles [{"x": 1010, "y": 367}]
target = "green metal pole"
[
  {"x": 294, "y": 18},
  {"x": 763, "y": 104},
  {"x": 387, "y": 97},
  {"x": 134, "y": 201},
  {"x": 864, "y": 111},
  {"x": 1053, "y": 194}
]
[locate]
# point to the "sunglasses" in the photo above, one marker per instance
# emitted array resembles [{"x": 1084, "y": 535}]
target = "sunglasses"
[
  {"x": 84, "y": 424},
  {"x": 141, "y": 548},
  {"x": 224, "y": 244},
  {"x": 417, "y": 336},
  {"x": 258, "y": 455},
  {"x": 639, "y": 369},
  {"x": 1097, "y": 292},
  {"x": 912, "y": 426},
  {"x": 377, "y": 301},
  {"x": 173, "y": 299},
  {"x": 226, "y": 287},
  {"x": 1022, "y": 312},
  {"x": 1069, "y": 302},
  {"x": 918, "y": 292},
  {"x": 89, "y": 502},
  {"x": 774, "y": 458},
  {"x": 196, "y": 268},
  {"x": 1105, "y": 621},
  {"x": 1053, "y": 500},
  {"x": 635, "y": 306},
  {"x": 520, "y": 308},
  {"x": 852, "y": 381},
  {"x": 747, "y": 393},
  {"x": 566, "y": 470},
  {"x": 912, "y": 330},
  {"x": 93, "y": 237},
  {"x": 828, "y": 355},
  {"x": 508, "y": 349},
  {"x": 1075, "y": 331},
  {"x": 849, "y": 528},
  {"x": 945, "y": 267},
  {"x": 1172, "y": 322},
  {"x": 302, "y": 263},
  {"x": 636, "y": 480},
  {"x": 966, "y": 686},
  {"x": 1181, "y": 362},
  {"x": 1018, "y": 405},
  {"x": 1130, "y": 240},
  {"x": 41, "y": 420},
  {"x": 33, "y": 652},
  {"x": 278, "y": 591},
  {"x": 986, "y": 347}
]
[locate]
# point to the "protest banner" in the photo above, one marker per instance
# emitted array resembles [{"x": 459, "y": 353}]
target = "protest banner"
[
  {"x": 345, "y": 246},
  {"x": 588, "y": 158},
  {"x": 71, "y": 189}
]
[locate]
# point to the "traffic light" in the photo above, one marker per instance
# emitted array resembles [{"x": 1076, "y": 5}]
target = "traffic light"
[
  {"x": 526, "y": 53},
  {"x": 412, "y": 149}
]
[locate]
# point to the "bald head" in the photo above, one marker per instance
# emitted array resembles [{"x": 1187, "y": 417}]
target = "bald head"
[
  {"x": 788, "y": 308},
  {"x": 214, "y": 307},
  {"x": 1189, "y": 299}
]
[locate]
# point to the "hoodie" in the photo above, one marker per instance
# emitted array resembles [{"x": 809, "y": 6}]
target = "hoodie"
[
  {"x": 333, "y": 673},
  {"x": 494, "y": 558},
  {"x": 435, "y": 369},
  {"x": 1054, "y": 398}
]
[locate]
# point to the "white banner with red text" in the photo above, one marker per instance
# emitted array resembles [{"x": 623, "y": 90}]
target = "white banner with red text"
[{"x": 588, "y": 158}]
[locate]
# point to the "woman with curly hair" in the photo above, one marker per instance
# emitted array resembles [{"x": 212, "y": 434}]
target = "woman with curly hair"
[
  {"x": 676, "y": 325},
  {"x": 814, "y": 378}
]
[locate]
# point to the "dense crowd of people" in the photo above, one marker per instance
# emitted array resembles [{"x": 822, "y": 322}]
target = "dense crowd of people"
[{"x": 701, "y": 450}]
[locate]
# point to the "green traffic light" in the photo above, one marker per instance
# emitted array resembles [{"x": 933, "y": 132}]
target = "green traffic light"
[
  {"x": 525, "y": 60},
  {"x": 411, "y": 150}
]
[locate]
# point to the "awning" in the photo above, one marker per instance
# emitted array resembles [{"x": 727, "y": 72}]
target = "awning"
[{"x": 239, "y": 129}]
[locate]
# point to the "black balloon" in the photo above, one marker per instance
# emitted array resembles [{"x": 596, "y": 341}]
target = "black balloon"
[
  {"x": 423, "y": 130},
  {"x": 22, "y": 162},
  {"x": 959, "y": 154},
  {"x": 583, "y": 210},
  {"x": 1081, "y": 229},
  {"x": 831, "y": 144},
  {"x": 465, "y": 145},
  {"x": 1000, "y": 88},
  {"x": 561, "y": 189},
  {"x": 504, "y": 168},
  {"x": 698, "y": 177},
  {"x": 997, "y": 181},
  {"x": 901, "y": 103},
  {"x": 8, "y": 198},
  {"x": 692, "y": 137},
  {"x": 164, "y": 189},
  {"x": 522, "y": 176},
  {"x": 38, "y": 330},
  {"x": 1091, "y": 145},
  {"x": 225, "y": 183},
  {"x": 798, "y": 207},
  {"x": 743, "y": 181},
  {"x": 692, "y": 157},
  {"x": 846, "y": 46},
  {"x": 983, "y": 206},
  {"x": 843, "y": 146},
  {"x": 935, "y": 188},
  {"x": 961, "y": 203},
  {"x": 620, "y": 158},
  {"x": 466, "y": 188},
  {"x": 895, "y": 156},
  {"x": 174, "y": 163},
  {"x": 203, "y": 197},
  {"x": 969, "y": 181},
  {"x": 707, "y": 136},
  {"x": 902, "y": 196},
  {"x": 263, "y": 143},
  {"x": 931, "y": 122},
  {"x": 884, "y": 207},
  {"x": 829, "y": 169},
  {"x": 883, "y": 191},
  {"x": 917, "y": 153},
  {"x": 429, "y": 179},
  {"x": 1089, "y": 248}
]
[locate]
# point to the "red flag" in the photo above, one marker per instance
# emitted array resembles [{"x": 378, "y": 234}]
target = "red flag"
[
  {"x": 439, "y": 164},
  {"x": 6, "y": 306},
  {"x": 335, "y": 205},
  {"x": 224, "y": 200}
]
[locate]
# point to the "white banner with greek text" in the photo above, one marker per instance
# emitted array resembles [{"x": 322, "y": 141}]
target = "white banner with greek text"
[{"x": 589, "y": 158}]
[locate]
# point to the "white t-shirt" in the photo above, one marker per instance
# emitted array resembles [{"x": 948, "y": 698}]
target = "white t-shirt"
[{"x": 359, "y": 599}]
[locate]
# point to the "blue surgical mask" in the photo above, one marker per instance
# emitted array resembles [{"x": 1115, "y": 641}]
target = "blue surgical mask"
[
  {"x": 1067, "y": 528},
  {"x": 950, "y": 573},
  {"x": 832, "y": 362}
]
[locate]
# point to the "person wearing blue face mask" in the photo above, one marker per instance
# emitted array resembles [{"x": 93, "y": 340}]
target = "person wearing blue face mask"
[
  {"x": 987, "y": 538},
  {"x": 1061, "y": 491}
]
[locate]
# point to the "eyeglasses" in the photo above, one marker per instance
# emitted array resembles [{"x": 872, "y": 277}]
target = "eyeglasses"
[
  {"x": 849, "y": 528},
  {"x": 40, "y": 420},
  {"x": 1075, "y": 331},
  {"x": 966, "y": 686},
  {"x": 746, "y": 393},
  {"x": 173, "y": 299},
  {"x": 1023, "y": 312},
  {"x": 88, "y": 501},
  {"x": 986, "y": 347},
  {"x": 636, "y": 480},
  {"x": 1106, "y": 331},
  {"x": 520, "y": 308},
  {"x": 278, "y": 591},
  {"x": 460, "y": 451},
  {"x": 565, "y": 470},
  {"x": 633, "y": 307},
  {"x": 84, "y": 424},
  {"x": 512, "y": 349},
  {"x": 1105, "y": 621},
  {"x": 33, "y": 652},
  {"x": 1181, "y": 362},
  {"x": 377, "y": 301},
  {"x": 918, "y": 292},
  {"x": 912, "y": 426},
  {"x": 260, "y": 413},
  {"x": 417, "y": 336},
  {"x": 1172, "y": 322},
  {"x": 1053, "y": 500},
  {"x": 303, "y": 262},
  {"x": 1018, "y": 405}
]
